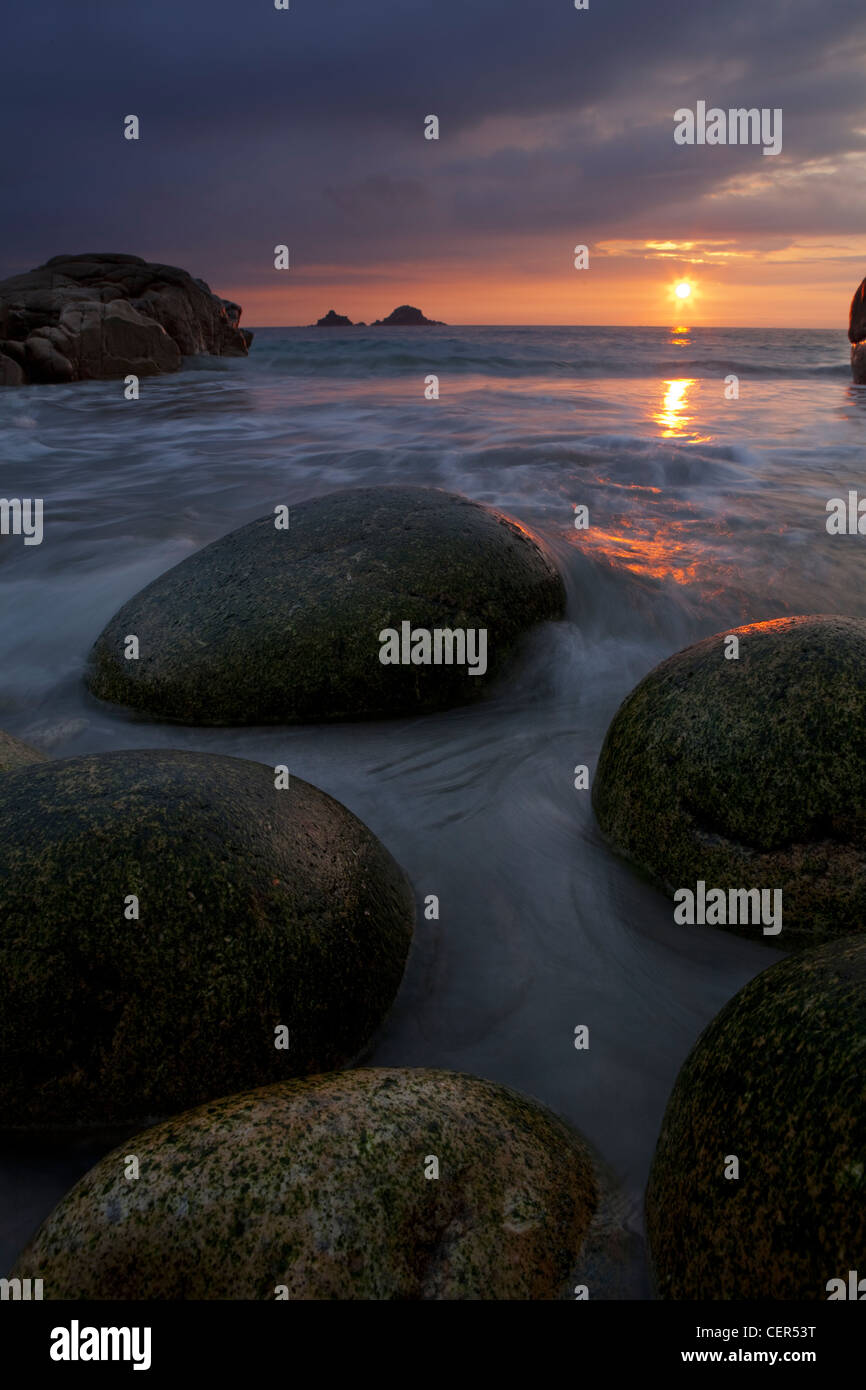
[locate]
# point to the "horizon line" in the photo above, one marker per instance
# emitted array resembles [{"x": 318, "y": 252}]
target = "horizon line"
[{"x": 666, "y": 327}]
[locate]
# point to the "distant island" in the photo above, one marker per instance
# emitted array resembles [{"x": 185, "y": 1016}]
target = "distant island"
[
  {"x": 333, "y": 320},
  {"x": 407, "y": 317},
  {"x": 403, "y": 317}
]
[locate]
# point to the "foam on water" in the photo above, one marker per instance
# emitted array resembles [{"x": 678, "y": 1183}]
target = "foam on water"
[{"x": 705, "y": 513}]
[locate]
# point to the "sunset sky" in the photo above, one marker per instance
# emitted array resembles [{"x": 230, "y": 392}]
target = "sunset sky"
[{"x": 306, "y": 127}]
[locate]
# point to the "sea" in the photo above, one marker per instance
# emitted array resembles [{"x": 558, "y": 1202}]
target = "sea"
[{"x": 706, "y": 459}]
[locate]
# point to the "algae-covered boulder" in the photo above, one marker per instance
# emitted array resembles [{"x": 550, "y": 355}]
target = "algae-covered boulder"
[
  {"x": 258, "y": 909},
  {"x": 750, "y": 772},
  {"x": 15, "y": 754},
  {"x": 776, "y": 1082},
  {"x": 369, "y": 1184},
  {"x": 278, "y": 623}
]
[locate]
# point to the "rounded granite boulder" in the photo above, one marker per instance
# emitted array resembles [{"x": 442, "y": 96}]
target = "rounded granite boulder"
[
  {"x": 278, "y": 624},
  {"x": 380, "y": 1183},
  {"x": 15, "y": 754},
  {"x": 257, "y": 909},
  {"x": 749, "y": 773},
  {"x": 776, "y": 1082}
]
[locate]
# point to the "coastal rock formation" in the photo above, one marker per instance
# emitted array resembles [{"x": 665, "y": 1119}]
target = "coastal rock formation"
[
  {"x": 334, "y": 320},
  {"x": 750, "y": 772},
  {"x": 325, "y": 1189},
  {"x": 273, "y": 625},
  {"x": 776, "y": 1081},
  {"x": 407, "y": 317},
  {"x": 857, "y": 334},
  {"x": 106, "y": 315},
  {"x": 15, "y": 754},
  {"x": 257, "y": 908}
]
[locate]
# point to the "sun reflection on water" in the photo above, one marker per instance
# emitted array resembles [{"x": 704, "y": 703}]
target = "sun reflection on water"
[{"x": 673, "y": 417}]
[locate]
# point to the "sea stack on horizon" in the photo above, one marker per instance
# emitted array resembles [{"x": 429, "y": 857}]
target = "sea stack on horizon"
[
  {"x": 335, "y": 320},
  {"x": 103, "y": 315},
  {"x": 406, "y": 317},
  {"x": 857, "y": 334}
]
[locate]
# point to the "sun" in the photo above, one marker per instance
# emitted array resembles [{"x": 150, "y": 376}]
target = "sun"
[{"x": 683, "y": 290}]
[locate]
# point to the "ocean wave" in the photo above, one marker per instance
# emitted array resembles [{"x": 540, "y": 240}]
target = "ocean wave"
[{"x": 554, "y": 354}]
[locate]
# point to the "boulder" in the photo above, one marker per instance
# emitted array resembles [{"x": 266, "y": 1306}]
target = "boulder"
[
  {"x": 333, "y": 320},
  {"x": 258, "y": 909},
  {"x": 750, "y": 773},
  {"x": 15, "y": 754},
  {"x": 857, "y": 315},
  {"x": 11, "y": 371},
  {"x": 857, "y": 334},
  {"x": 776, "y": 1082},
  {"x": 105, "y": 315},
  {"x": 273, "y": 625},
  {"x": 326, "y": 1189},
  {"x": 407, "y": 317}
]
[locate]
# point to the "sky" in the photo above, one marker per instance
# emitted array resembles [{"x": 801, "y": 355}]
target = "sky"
[{"x": 305, "y": 127}]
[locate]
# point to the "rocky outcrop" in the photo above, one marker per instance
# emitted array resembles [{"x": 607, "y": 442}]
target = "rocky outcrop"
[
  {"x": 15, "y": 754},
  {"x": 334, "y": 320},
  {"x": 374, "y": 1184},
  {"x": 271, "y": 626},
  {"x": 407, "y": 317},
  {"x": 163, "y": 915},
  {"x": 99, "y": 316},
  {"x": 857, "y": 334},
  {"x": 776, "y": 1082},
  {"x": 749, "y": 773}
]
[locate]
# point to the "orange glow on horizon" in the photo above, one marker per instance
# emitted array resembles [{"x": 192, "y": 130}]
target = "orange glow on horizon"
[{"x": 615, "y": 291}]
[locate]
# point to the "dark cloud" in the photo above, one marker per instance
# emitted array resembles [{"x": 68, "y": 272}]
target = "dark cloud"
[{"x": 306, "y": 126}]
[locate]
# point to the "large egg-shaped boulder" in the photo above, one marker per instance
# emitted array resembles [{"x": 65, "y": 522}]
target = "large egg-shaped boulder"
[
  {"x": 758, "y": 1185},
  {"x": 164, "y": 914},
  {"x": 287, "y": 619},
  {"x": 750, "y": 772},
  {"x": 370, "y": 1184}
]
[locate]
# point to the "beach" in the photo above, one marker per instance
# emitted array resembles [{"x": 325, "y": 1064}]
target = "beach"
[{"x": 707, "y": 510}]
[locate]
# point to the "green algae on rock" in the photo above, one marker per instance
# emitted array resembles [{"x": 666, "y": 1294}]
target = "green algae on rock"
[
  {"x": 750, "y": 772},
  {"x": 258, "y": 909},
  {"x": 776, "y": 1081},
  {"x": 282, "y": 624},
  {"x": 15, "y": 754},
  {"x": 322, "y": 1189}
]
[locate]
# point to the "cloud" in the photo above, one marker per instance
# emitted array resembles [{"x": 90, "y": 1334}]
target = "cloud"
[{"x": 306, "y": 126}]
